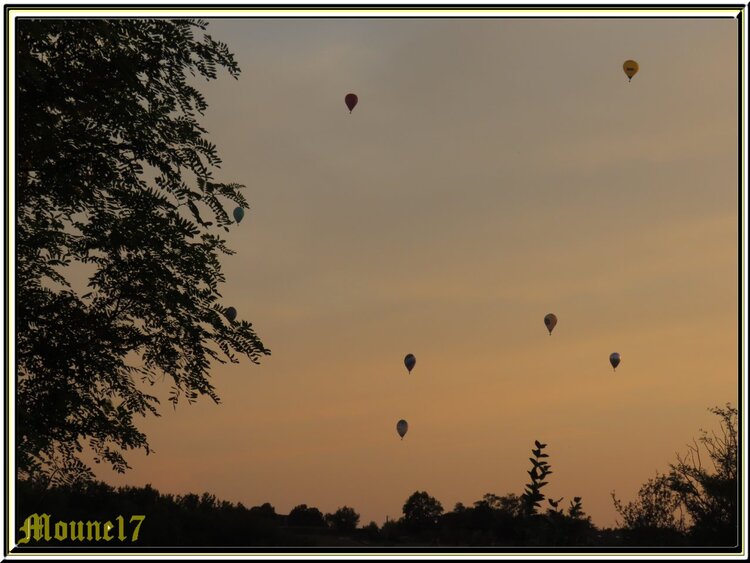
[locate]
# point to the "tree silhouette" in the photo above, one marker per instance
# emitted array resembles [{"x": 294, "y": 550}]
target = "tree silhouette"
[
  {"x": 115, "y": 187},
  {"x": 302, "y": 515},
  {"x": 421, "y": 511},
  {"x": 692, "y": 504},
  {"x": 265, "y": 510},
  {"x": 553, "y": 527},
  {"x": 655, "y": 516},
  {"x": 656, "y": 506},
  {"x": 345, "y": 519},
  {"x": 710, "y": 494},
  {"x": 532, "y": 496}
]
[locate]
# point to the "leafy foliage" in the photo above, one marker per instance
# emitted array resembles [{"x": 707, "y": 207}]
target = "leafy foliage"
[
  {"x": 575, "y": 510},
  {"x": 114, "y": 179},
  {"x": 709, "y": 493},
  {"x": 533, "y": 496},
  {"x": 656, "y": 506},
  {"x": 693, "y": 504},
  {"x": 553, "y": 527}
]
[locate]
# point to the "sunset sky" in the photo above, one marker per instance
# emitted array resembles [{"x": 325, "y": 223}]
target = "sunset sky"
[{"x": 494, "y": 170}]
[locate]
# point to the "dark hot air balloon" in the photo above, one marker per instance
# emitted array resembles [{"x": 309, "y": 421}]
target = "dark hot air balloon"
[
  {"x": 550, "y": 320},
  {"x": 238, "y": 213},
  {"x": 614, "y": 359},
  {"x": 401, "y": 427},
  {"x": 351, "y": 101},
  {"x": 231, "y": 313},
  {"x": 410, "y": 361}
]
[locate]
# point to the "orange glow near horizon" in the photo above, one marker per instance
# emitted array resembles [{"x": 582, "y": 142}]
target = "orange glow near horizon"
[{"x": 493, "y": 171}]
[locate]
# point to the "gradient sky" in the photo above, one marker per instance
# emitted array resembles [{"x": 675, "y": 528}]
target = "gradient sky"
[{"x": 493, "y": 171}]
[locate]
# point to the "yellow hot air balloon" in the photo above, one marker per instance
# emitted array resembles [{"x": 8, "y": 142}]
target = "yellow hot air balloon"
[{"x": 630, "y": 68}]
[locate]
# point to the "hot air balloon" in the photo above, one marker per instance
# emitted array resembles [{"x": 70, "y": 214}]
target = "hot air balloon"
[
  {"x": 351, "y": 101},
  {"x": 401, "y": 427},
  {"x": 630, "y": 68},
  {"x": 239, "y": 213},
  {"x": 231, "y": 313},
  {"x": 550, "y": 320},
  {"x": 614, "y": 359},
  {"x": 410, "y": 361}
]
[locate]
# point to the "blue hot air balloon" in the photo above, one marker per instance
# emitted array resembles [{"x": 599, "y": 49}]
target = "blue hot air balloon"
[
  {"x": 614, "y": 359},
  {"x": 410, "y": 361},
  {"x": 239, "y": 213},
  {"x": 231, "y": 313}
]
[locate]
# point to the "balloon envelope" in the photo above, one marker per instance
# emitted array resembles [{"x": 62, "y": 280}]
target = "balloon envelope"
[
  {"x": 351, "y": 101},
  {"x": 630, "y": 68},
  {"x": 231, "y": 313},
  {"x": 402, "y": 427},
  {"x": 550, "y": 320},
  {"x": 410, "y": 361},
  {"x": 239, "y": 213},
  {"x": 614, "y": 359}
]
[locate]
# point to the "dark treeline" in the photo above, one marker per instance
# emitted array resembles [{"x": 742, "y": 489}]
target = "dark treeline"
[
  {"x": 202, "y": 520},
  {"x": 692, "y": 505}
]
